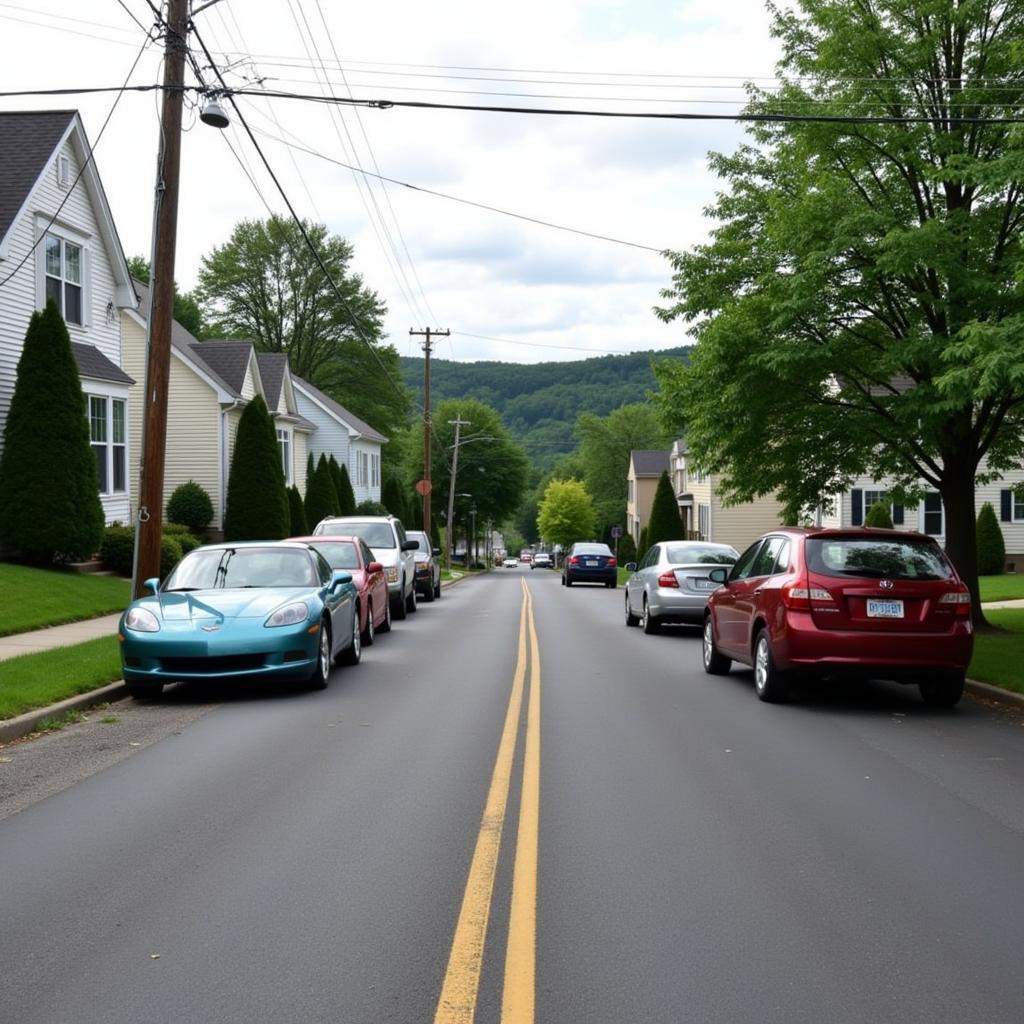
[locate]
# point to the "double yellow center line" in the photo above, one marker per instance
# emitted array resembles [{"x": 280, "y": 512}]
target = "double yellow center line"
[{"x": 457, "y": 1004}]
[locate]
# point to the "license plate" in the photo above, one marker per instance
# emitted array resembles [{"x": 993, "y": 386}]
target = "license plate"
[
  {"x": 705, "y": 584},
  {"x": 884, "y": 609},
  {"x": 591, "y": 563}
]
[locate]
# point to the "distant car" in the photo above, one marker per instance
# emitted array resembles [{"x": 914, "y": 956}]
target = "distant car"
[
  {"x": 542, "y": 560},
  {"x": 881, "y": 604},
  {"x": 671, "y": 582},
  {"x": 387, "y": 540},
  {"x": 428, "y": 565},
  {"x": 526, "y": 556},
  {"x": 351, "y": 554},
  {"x": 590, "y": 563},
  {"x": 238, "y": 610},
  {"x": 510, "y": 563}
]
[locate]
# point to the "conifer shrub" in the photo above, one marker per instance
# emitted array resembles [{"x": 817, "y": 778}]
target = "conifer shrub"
[
  {"x": 641, "y": 548},
  {"x": 392, "y": 497},
  {"x": 627, "y": 549},
  {"x": 117, "y": 548},
  {"x": 190, "y": 505},
  {"x": 50, "y": 507},
  {"x": 371, "y": 508},
  {"x": 346, "y": 495},
  {"x": 297, "y": 514},
  {"x": 879, "y": 516},
  {"x": 665, "y": 522},
  {"x": 321, "y": 498},
  {"x": 991, "y": 544},
  {"x": 257, "y": 504}
]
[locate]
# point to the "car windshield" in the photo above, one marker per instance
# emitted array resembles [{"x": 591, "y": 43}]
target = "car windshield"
[
  {"x": 421, "y": 542},
  {"x": 700, "y": 554},
  {"x": 340, "y": 554},
  {"x": 875, "y": 557},
  {"x": 377, "y": 535},
  {"x": 223, "y": 568}
]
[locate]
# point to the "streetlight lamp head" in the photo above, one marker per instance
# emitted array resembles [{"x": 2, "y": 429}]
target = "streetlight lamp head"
[{"x": 213, "y": 113}]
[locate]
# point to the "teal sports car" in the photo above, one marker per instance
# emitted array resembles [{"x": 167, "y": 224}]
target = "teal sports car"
[{"x": 238, "y": 610}]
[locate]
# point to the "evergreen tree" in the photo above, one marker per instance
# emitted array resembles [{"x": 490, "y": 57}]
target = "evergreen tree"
[
  {"x": 321, "y": 498},
  {"x": 50, "y": 506},
  {"x": 626, "y": 549},
  {"x": 991, "y": 545},
  {"x": 641, "y": 548},
  {"x": 310, "y": 468},
  {"x": 257, "y": 505},
  {"x": 664, "y": 522},
  {"x": 343, "y": 485},
  {"x": 393, "y": 498},
  {"x": 296, "y": 514}
]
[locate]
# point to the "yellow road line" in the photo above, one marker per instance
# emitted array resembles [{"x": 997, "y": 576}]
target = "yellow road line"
[
  {"x": 517, "y": 1006},
  {"x": 457, "y": 1003}
]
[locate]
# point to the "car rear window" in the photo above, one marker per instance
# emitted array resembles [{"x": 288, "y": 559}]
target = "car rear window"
[
  {"x": 592, "y": 549},
  {"x": 340, "y": 554},
  {"x": 875, "y": 557},
  {"x": 700, "y": 554},
  {"x": 377, "y": 535}
]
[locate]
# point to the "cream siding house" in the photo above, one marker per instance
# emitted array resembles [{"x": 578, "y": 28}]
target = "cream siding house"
[
  {"x": 645, "y": 469},
  {"x": 353, "y": 443},
  {"x": 209, "y": 385},
  {"x": 58, "y": 240},
  {"x": 706, "y": 517}
]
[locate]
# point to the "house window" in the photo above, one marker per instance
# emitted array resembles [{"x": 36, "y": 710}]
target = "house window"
[
  {"x": 364, "y": 469},
  {"x": 108, "y": 435},
  {"x": 704, "y": 521},
  {"x": 932, "y": 516},
  {"x": 629, "y": 491},
  {"x": 1018, "y": 506},
  {"x": 284, "y": 443},
  {"x": 63, "y": 260},
  {"x": 375, "y": 470},
  {"x": 875, "y": 498}
]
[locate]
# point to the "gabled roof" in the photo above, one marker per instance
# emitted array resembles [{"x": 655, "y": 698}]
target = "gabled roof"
[
  {"x": 29, "y": 140},
  {"x": 228, "y": 359},
  {"x": 273, "y": 366},
  {"x": 92, "y": 363},
  {"x": 647, "y": 462},
  {"x": 338, "y": 411}
]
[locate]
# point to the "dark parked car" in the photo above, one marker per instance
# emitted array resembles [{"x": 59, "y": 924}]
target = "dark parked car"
[
  {"x": 428, "y": 565},
  {"x": 590, "y": 563},
  {"x": 882, "y": 604},
  {"x": 671, "y": 582}
]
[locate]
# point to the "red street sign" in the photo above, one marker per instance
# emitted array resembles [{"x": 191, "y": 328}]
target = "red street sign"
[{"x": 423, "y": 487}]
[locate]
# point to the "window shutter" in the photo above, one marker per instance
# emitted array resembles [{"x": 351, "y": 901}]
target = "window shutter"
[
  {"x": 1006, "y": 506},
  {"x": 856, "y": 507},
  {"x": 897, "y": 515}
]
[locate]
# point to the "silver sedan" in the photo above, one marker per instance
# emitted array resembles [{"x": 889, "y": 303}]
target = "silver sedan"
[{"x": 671, "y": 582}]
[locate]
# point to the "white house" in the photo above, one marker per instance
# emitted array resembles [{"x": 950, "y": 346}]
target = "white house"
[
  {"x": 353, "y": 443},
  {"x": 58, "y": 240}
]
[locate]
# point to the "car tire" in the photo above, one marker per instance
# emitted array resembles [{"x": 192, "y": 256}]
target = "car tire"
[
  {"x": 385, "y": 626},
  {"x": 649, "y": 623},
  {"x": 568, "y": 581},
  {"x": 144, "y": 691},
  {"x": 631, "y": 619},
  {"x": 428, "y": 594},
  {"x": 611, "y": 584},
  {"x": 352, "y": 654},
  {"x": 942, "y": 691},
  {"x": 410, "y": 599},
  {"x": 322, "y": 669},
  {"x": 715, "y": 663},
  {"x": 368, "y": 633},
  {"x": 770, "y": 683},
  {"x": 398, "y": 607},
  {"x": 437, "y": 588}
]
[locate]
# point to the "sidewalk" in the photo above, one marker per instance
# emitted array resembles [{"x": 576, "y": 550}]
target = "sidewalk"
[{"x": 58, "y": 636}]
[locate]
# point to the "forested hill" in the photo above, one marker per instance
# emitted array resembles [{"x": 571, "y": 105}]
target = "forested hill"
[{"x": 539, "y": 402}]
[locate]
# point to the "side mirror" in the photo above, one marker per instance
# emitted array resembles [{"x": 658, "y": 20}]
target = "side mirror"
[
  {"x": 719, "y": 575},
  {"x": 339, "y": 579},
  {"x": 374, "y": 567},
  {"x": 153, "y": 584},
  {"x": 630, "y": 567},
  {"x": 435, "y": 551},
  {"x": 410, "y": 545}
]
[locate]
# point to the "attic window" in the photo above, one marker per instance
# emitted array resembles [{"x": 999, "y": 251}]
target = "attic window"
[
  {"x": 64, "y": 277},
  {"x": 64, "y": 172}
]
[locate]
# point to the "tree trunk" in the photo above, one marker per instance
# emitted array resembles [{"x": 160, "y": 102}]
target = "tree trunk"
[{"x": 957, "y": 491}]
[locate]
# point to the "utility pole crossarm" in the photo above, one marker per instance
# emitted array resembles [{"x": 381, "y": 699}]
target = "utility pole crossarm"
[{"x": 427, "y": 425}]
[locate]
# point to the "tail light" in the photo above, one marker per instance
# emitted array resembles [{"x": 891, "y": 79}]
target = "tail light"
[
  {"x": 573, "y": 560},
  {"x": 668, "y": 579},
  {"x": 612, "y": 562},
  {"x": 798, "y": 596},
  {"x": 960, "y": 600}
]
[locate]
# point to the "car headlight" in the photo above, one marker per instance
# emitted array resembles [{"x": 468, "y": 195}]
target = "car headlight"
[
  {"x": 392, "y": 573},
  {"x": 142, "y": 620},
  {"x": 289, "y": 615}
]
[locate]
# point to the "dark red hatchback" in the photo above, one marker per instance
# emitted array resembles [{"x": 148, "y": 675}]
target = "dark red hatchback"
[{"x": 880, "y": 604}]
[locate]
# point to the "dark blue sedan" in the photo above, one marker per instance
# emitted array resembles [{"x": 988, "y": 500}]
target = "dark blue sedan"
[{"x": 590, "y": 563}]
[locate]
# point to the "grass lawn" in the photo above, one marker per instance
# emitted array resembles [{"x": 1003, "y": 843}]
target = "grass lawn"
[
  {"x": 38, "y": 680},
  {"x": 1008, "y": 587},
  {"x": 34, "y": 598},
  {"x": 999, "y": 657}
]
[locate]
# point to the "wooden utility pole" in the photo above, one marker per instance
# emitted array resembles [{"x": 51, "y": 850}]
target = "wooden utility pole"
[
  {"x": 161, "y": 313},
  {"x": 427, "y": 422},
  {"x": 458, "y": 423}
]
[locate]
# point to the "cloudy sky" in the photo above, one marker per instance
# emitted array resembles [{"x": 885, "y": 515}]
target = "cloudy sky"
[{"x": 507, "y": 287}]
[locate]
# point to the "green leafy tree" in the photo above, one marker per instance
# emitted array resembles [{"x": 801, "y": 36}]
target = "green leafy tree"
[
  {"x": 566, "y": 513},
  {"x": 50, "y": 507},
  {"x": 297, "y": 525},
  {"x": 879, "y": 515},
  {"x": 860, "y": 307},
  {"x": 321, "y": 497},
  {"x": 264, "y": 284},
  {"x": 991, "y": 544},
  {"x": 187, "y": 310},
  {"x": 257, "y": 505},
  {"x": 664, "y": 522}
]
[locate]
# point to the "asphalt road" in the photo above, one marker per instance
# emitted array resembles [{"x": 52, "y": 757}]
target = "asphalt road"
[{"x": 279, "y": 856}]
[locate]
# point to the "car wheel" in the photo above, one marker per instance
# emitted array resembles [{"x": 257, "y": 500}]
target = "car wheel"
[
  {"x": 715, "y": 663},
  {"x": 354, "y": 652},
  {"x": 385, "y": 626},
  {"x": 428, "y": 594},
  {"x": 770, "y": 683},
  {"x": 322, "y": 669},
  {"x": 942, "y": 691},
  {"x": 631, "y": 619},
  {"x": 398, "y": 607},
  {"x": 611, "y": 584},
  {"x": 648, "y": 622},
  {"x": 410, "y": 599},
  {"x": 568, "y": 580},
  {"x": 437, "y": 587},
  {"x": 144, "y": 691},
  {"x": 368, "y": 632}
]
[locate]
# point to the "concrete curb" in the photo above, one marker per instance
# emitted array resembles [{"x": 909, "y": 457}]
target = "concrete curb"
[
  {"x": 996, "y": 693},
  {"x": 15, "y": 728}
]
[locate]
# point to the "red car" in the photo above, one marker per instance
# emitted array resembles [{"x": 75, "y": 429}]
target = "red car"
[
  {"x": 882, "y": 604},
  {"x": 353, "y": 555}
]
